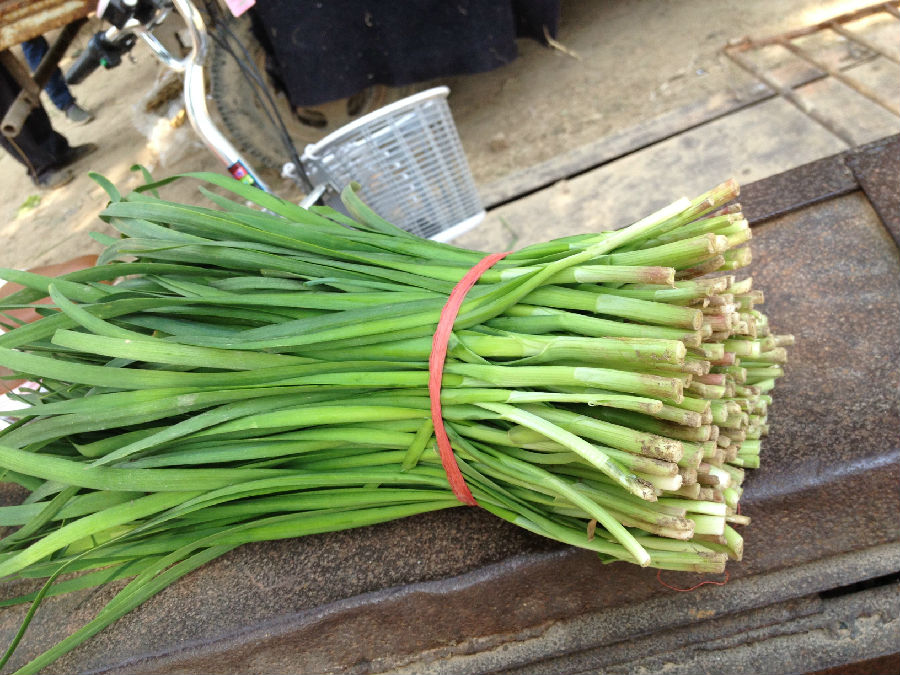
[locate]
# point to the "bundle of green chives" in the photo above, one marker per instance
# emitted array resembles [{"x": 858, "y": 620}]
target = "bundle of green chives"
[{"x": 261, "y": 372}]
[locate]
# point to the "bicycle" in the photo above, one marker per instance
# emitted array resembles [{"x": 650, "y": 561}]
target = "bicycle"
[{"x": 406, "y": 154}]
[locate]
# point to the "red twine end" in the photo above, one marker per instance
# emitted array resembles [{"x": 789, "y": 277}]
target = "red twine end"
[
  {"x": 695, "y": 586},
  {"x": 436, "y": 370}
]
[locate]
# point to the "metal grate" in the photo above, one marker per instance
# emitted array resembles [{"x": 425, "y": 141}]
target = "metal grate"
[
  {"x": 739, "y": 53},
  {"x": 410, "y": 163}
]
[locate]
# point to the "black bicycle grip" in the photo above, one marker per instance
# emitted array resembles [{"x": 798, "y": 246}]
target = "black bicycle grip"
[
  {"x": 100, "y": 52},
  {"x": 87, "y": 62}
]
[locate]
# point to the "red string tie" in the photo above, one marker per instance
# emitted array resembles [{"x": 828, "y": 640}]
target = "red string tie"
[
  {"x": 695, "y": 586},
  {"x": 436, "y": 371}
]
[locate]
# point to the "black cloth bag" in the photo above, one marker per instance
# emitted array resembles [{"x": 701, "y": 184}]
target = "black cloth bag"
[{"x": 326, "y": 50}]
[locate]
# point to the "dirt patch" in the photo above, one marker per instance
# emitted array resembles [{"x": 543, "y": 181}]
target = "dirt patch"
[{"x": 637, "y": 60}]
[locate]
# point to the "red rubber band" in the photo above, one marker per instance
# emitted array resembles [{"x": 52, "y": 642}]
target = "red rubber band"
[
  {"x": 436, "y": 371},
  {"x": 695, "y": 586}
]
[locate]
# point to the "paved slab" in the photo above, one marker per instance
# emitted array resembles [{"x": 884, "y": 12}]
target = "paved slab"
[{"x": 748, "y": 145}]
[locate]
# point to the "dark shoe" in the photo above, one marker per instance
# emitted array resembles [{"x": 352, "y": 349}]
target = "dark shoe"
[
  {"x": 77, "y": 152},
  {"x": 54, "y": 178},
  {"x": 75, "y": 113}
]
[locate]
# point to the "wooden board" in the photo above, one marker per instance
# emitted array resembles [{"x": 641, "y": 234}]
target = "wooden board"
[{"x": 21, "y": 20}]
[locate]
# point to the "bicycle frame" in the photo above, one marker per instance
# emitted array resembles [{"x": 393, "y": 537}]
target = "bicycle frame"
[{"x": 192, "y": 66}]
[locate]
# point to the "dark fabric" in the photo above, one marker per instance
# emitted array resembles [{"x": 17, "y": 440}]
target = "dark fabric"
[
  {"x": 56, "y": 88},
  {"x": 327, "y": 50},
  {"x": 536, "y": 19},
  {"x": 42, "y": 147}
]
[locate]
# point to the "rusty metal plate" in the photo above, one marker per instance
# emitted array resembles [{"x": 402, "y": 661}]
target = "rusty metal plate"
[
  {"x": 873, "y": 168},
  {"x": 21, "y": 20},
  {"x": 809, "y": 184},
  {"x": 876, "y": 167}
]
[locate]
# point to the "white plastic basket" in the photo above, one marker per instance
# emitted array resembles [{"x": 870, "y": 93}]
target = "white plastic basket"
[{"x": 408, "y": 158}]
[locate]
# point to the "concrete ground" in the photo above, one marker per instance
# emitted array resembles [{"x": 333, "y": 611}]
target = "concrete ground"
[
  {"x": 740, "y": 129},
  {"x": 636, "y": 106}
]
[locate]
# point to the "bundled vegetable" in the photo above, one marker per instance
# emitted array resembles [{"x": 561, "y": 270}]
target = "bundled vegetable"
[{"x": 263, "y": 374}]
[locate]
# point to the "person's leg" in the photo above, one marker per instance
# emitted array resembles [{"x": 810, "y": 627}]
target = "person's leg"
[
  {"x": 34, "y": 50},
  {"x": 37, "y": 146},
  {"x": 56, "y": 88}
]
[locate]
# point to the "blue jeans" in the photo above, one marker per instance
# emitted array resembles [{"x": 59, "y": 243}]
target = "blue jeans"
[{"x": 56, "y": 88}]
